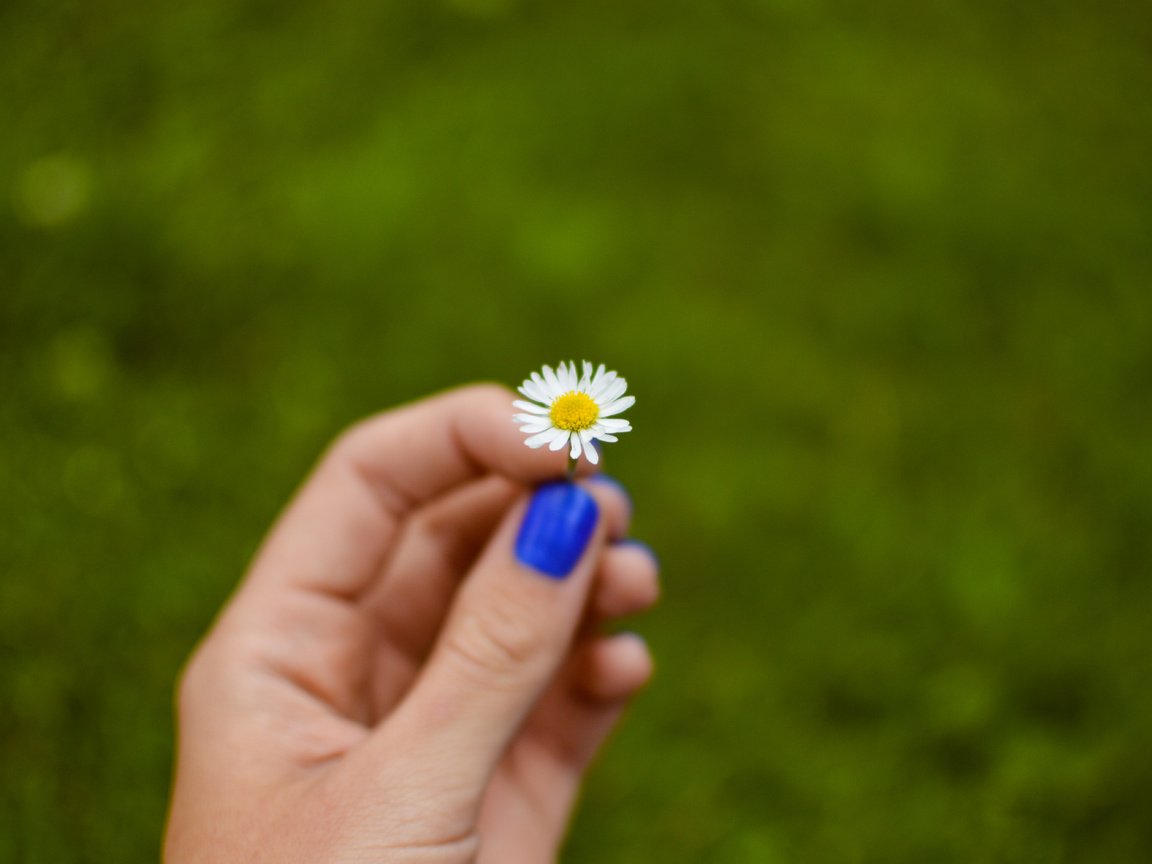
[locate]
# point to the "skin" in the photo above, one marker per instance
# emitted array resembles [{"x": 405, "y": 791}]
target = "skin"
[{"x": 388, "y": 683}]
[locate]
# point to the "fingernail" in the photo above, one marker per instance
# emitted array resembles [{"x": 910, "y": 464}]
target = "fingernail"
[
  {"x": 609, "y": 480},
  {"x": 641, "y": 545},
  {"x": 556, "y": 529}
]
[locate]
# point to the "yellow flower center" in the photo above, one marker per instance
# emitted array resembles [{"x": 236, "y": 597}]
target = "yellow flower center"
[{"x": 574, "y": 411}]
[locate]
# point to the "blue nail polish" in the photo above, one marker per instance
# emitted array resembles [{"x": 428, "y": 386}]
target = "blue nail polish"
[
  {"x": 609, "y": 480},
  {"x": 556, "y": 529}
]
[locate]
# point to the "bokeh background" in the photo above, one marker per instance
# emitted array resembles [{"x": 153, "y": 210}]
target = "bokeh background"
[{"x": 880, "y": 275}]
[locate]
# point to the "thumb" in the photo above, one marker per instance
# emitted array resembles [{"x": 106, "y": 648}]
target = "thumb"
[{"x": 508, "y": 633}]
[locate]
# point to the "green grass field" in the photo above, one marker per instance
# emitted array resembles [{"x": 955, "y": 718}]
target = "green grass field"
[{"x": 879, "y": 274}]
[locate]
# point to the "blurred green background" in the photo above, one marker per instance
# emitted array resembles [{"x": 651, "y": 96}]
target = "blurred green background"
[{"x": 879, "y": 274}]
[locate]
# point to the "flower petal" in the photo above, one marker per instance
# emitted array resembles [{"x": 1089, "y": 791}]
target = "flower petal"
[
  {"x": 610, "y": 424},
  {"x": 560, "y": 440},
  {"x": 574, "y": 453},
  {"x": 530, "y": 391},
  {"x": 555, "y": 388},
  {"x": 589, "y": 448},
  {"x": 602, "y": 382},
  {"x": 534, "y": 389},
  {"x": 530, "y": 407},
  {"x": 601, "y": 435},
  {"x": 621, "y": 404},
  {"x": 533, "y": 428},
  {"x": 613, "y": 391},
  {"x": 543, "y": 438},
  {"x": 593, "y": 378},
  {"x": 586, "y": 378}
]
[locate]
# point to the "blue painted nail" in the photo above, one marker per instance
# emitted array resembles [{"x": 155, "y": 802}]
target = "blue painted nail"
[
  {"x": 609, "y": 480},
  {"x": 557, "y": 527}
]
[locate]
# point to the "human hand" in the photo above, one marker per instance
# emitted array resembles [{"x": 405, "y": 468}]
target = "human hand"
[{"x": 392, "y": 682}]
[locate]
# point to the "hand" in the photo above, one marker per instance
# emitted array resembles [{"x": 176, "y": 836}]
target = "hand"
[{"x": 400, "y": 677}]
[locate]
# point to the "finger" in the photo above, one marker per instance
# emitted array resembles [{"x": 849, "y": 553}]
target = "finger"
[
  {"x": 335, "y": 534},
  {"x": 575, "y": 717},
  {"x": 435, "y": 548},
  {"x": 507, "y": 634},
  {"x": 628, "y": 582},
  {"x": 540, "y": 778},
  {"x": 407, "y": 605}
]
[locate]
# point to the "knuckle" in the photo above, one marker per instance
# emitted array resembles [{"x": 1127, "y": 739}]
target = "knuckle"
[
  {"x": 350, "y": 438},
  {"x": 501, "y": 643},
  {"x": 491, "y": 390}
]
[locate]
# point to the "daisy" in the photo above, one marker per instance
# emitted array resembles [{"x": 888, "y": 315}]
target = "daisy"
[{"x": 571, "y": 410}]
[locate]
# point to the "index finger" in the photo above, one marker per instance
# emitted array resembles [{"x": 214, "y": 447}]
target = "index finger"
[{"x": 337, "y": 531}]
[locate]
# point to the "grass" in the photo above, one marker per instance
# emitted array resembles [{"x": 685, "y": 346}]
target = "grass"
[{"x": 879, "y": 275}]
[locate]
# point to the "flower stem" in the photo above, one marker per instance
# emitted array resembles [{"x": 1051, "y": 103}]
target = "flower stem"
[{"x": 572, "y": 468}]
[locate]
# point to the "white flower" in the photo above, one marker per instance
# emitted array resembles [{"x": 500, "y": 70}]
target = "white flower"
[{"x": 570, "y": 410}]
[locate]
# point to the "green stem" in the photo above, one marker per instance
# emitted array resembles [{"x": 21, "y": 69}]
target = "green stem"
[{"x": 572, "y": 468}]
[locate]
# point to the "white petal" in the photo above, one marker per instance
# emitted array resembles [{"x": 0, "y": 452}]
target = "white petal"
[
  {"x": 596, "y": 432},
  {"x": 570, "y": 377},
  {"x": 610, "y": 424},
  {"x": 621, "y": 404},
  {"x": 543, "y": 438},
  {"x": 574, "y": 453},
  {"x": 533, "y": 389},
  {"x": 613, "y": 391},
  {"x": 560, "y": 440},
  {"x": 602, "y": 385},
  {"x": 533, "y": 428},
  {"x": 555, "y": 388},
  {"x": 591, "y": 379},
  {"x": 589, "y": 448},
  {"x": 601, "y": 374},
  {"x": 586, "y": 378},
  {"x": 530, "y": 407},
  {"x": 540, "y": 383}
]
